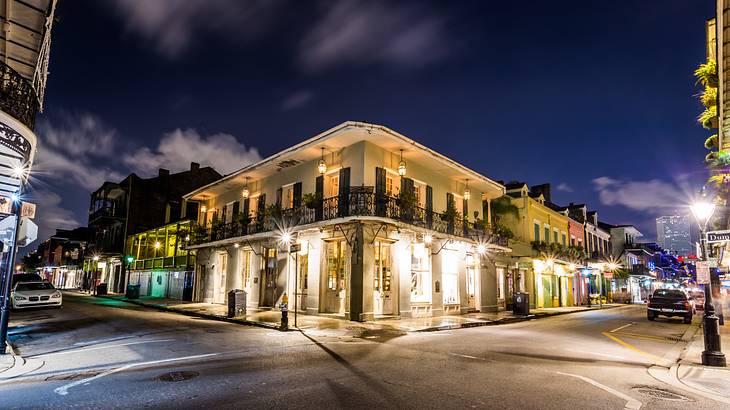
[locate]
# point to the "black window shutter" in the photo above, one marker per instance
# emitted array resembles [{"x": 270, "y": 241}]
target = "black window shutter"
[
  {"x": 319, "y": 191},
  {"x": 297, "y": 195},
  {"x": 429, "y": 206},
  {"x": 450, "y": 204},
  {"x": 406, "y": 185},
  {"x": 246, "y": 206},
  {"x": 465, "y": 207},
  {"x": 485, "y": 210},
  {"x": 235, "y": 211},
  {"x": 344, "y": 192},
  {"x": 262, "y": 206},
  {"x": 380, "y": 200},
  {"x": 223, "y": 213},
  {"x": 278, "y": 198}
]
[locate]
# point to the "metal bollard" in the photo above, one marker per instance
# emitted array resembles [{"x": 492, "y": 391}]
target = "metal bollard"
[{"x": 284, "y": 312}]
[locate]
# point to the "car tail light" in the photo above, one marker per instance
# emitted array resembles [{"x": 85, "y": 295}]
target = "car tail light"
[{"x": 686, "y": 305}]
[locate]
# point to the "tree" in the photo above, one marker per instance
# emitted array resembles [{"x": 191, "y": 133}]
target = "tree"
[{"x": 502, "y": 207}]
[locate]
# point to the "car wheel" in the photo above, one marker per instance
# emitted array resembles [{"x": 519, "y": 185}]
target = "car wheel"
[
  {"x": 688, "y": 319},
  {"x": 650, "y": 315}
]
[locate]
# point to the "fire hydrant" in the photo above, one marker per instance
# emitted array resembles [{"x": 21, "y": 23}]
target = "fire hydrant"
[{"x": 284, "y": 312}]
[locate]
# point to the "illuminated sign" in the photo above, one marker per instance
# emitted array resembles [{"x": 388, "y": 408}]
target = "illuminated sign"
[
  {"x": 16, "y": 142},
  {"x": 718, "y": 236}
]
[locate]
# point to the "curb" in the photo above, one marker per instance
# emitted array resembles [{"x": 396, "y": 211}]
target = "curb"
[{"x": 195, "y": 314}]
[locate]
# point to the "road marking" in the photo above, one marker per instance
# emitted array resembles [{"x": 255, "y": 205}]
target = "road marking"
[
  {"x": 467, "y": 356},
  {"x": 620, "y": 327},
  {"x": 63, "y": 390},
  {"x": 596, "y": 353},
  {"x": 629, "y": 346},
  {"x": 84, "y": 349},
  {"x": 113, "y": 339},
  {"x": 647, "y": 337},
  {"x": 631, "y": 403}
]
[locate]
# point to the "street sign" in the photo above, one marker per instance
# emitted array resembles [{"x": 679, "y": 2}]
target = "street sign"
[
  {"x": 718, "y": 236},
  {"x": 712, "y": 262},
  {"x": 294, "y": 248},
  {"x": 6, "y": 205},
  {"x": 703, "y": 272},
  {"x": 27, "y": 210}
]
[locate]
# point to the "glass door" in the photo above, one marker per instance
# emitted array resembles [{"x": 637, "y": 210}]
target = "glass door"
[
  {"x": 335, "y": 291},
  {"x": 268, "y": 277},
  {"x": 471, "y": 281},
  {"x": 383, "y": 303}
]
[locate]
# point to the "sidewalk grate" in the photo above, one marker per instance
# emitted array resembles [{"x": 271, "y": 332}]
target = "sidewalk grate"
[{"x": 177, "y": 376}]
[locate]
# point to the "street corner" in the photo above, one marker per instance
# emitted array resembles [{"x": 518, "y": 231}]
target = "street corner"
[{"x": 712, "y": 382}]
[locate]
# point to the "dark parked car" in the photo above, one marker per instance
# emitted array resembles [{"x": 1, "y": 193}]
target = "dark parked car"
[
  {"x": 26, "y": 277},
  {"x": 669, "y": 302}
]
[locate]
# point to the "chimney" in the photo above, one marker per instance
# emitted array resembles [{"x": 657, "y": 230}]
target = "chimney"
[
  {"x": 163, "y": 172},
  {"x": 194, "y": 166}
]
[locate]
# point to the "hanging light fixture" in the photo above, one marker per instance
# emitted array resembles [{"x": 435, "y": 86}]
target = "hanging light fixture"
[
  {"x": 322, "y": 166},
  {"x": 467, "y": 193},
  {"x": 203, "y": 209},
  {"x": 401, "y": 165},
  {"x": 245, "y": 192}
]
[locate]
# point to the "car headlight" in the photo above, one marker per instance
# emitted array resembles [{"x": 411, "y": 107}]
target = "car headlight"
[
  {"x": 21, "y": 298},
  {"x": 56, "y": 295}
]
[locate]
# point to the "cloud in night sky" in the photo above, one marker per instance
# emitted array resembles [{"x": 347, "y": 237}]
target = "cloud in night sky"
[
  {"x": 355, "y": 32},
  {"x": 174, "y": 25},
  {"x": 179, "y": 148},
  {"x": 296, "y": 100},
  {"x": 51, "y": 214},
  {"x": 652, "y": 196},
  {"x": 564, "y": 187}
]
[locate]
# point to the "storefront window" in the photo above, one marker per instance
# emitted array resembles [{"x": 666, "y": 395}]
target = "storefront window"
[
  {"x": 382, "y": 278},
  {"x": 500, "y": 283},
  {"x": 450, "y": 277},
  {"x": 303, "y": 272},
  {"x": 420, "y": 273},
  {"x": 171, "y": 241},
  {"x": 246, "y": 268},
  {"x": 336, "y": 265}
]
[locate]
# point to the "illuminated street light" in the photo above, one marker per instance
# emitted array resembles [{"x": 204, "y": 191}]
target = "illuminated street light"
[
  {"x": 427, "y": 239},
  {"x": 157, "y": 245},
  {"x": 481, "y": 249},
  {"x": 712, "y": 355},
  {"x": 285, "y": 237},
  {"x": 95, "y": 258}
]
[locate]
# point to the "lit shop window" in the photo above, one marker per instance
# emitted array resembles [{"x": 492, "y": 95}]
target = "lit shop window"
[
  {"x": 382, "y": 277},
  {"x": 336, "y": 265},
  {"x": 500, "y": 283},
  {"x": 450, "y": 277},
  {"x": 420, "y": 273}
]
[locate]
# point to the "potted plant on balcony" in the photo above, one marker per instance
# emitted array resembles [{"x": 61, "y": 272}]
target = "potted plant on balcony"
[
  {"x": 502, "y": 231},
  {"x": 216, "y": 229},
  {"x": 407, "y": 202},
  {"x": 312, "y": 200}
]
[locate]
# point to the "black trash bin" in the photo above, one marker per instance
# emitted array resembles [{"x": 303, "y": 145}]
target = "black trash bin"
[
  {"x": 521, "y": 303},
  {"x": 236, "y": 303},
  {"x": 101, "y": 289},
  {"x": 132, "y": 292}
]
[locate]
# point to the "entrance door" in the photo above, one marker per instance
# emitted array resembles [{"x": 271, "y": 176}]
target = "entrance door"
[
  {"x": 383, "y": 301},
  {"x": 471, "y": 282},
  {"x": 268, "y": 277},
  {"x": 219, "y": 286},
  {"x": 547, "y": 291},
  {"x": 335, "y": 286}
]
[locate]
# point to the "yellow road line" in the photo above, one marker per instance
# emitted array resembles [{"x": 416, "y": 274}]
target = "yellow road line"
[
  {"x": 656, "y": 359},
  {"x": 647, "y": 337}
]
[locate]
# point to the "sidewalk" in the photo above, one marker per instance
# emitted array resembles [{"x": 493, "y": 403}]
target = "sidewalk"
[
  {"x": 712, "y": 380},
  {"x": 272, "y": 318}
]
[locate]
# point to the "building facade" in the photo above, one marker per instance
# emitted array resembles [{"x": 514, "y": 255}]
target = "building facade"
[
  {"x": 120, "y": 209},
  {"x": 674, "y": 234},
  {"x": 59, "y": 259},
  {"x": 357, "y": 222}
]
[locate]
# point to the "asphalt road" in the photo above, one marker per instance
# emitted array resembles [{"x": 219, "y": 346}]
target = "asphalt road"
[{"x": 98, "y": 353}]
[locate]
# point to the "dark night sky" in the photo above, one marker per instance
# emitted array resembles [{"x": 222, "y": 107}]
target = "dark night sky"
[{"x": 594, "y": 97}]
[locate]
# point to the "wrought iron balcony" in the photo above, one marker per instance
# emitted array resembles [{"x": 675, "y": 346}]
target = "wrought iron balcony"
[
  {"x": 17, "y": 97},
  {"x": 354, "y": 204}
]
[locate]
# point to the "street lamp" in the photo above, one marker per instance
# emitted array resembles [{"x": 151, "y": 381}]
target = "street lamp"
[{"x": 712, "y": 355}]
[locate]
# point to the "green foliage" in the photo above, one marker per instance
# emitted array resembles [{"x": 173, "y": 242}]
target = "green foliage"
[
  {"x": 243, "y": 219},
  {"x": 502, "y": 207},
  {"x": 450, "y": 214},
  {"x": 621, "y": 273},
  {"x": 708, "y": 117},
  {"x": 503, "y": 231},
  {"x": 709, "y": 97},
  {"x": 718, "y": 159},
  {"x": 312, "y": 200},
  {"x": 407, "y": 200},
  {"x": 706, "y": 74},
  {"x": 719, "y": 180},
  {"x": 272, "y": 211},
  {"x": 711, "y": 142}
]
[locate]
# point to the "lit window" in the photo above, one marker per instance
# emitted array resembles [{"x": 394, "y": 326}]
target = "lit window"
[
  {"x": 420, "y": 273},
  {"x": 450, "y": 277}
]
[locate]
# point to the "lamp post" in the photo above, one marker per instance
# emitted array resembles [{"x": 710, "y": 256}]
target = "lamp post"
[{"x": 712, "y": 355}]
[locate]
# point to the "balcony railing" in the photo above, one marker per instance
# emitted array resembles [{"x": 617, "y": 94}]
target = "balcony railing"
[
  {"x": 106, "y": 211},
  {"x": 354, "y": 204},
  {"x": 17, "y": 96}
]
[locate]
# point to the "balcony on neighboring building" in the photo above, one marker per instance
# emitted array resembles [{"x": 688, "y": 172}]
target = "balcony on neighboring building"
[
  {"x": 110, "y": 211},
  {"x": 17, "y": 97},
  {"x": 355, "y": 204}
]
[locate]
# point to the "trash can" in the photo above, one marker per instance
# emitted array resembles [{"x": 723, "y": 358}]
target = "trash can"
[
  {"x": 101, "y": 289},
  {"x": 236, "y": 303},
  {"x": 521, "y": 303},
  {"x": 132, "y": 292}
]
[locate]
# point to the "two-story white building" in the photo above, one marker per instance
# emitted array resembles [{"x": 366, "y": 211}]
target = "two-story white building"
[{"x": 385, "y": 227}]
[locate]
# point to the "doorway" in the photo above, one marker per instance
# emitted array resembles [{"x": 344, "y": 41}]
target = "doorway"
[
  {"x": 335, "y": 290},
  {"x": 471, "y": 282},
  {"x": 268, "y": 277},
  {"x": 219, "y": 284},
  {"x": 382, "y": 280}
]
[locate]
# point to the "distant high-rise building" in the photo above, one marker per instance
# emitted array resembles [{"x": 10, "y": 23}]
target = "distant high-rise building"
[{"x": 674, "y": 234}]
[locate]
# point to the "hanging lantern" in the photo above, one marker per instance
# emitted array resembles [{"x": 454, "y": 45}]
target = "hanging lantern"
[
  {"x": 245, "y": 193},
  {"x": 203, "y": 209},
  {"x": 401, "y": 165},
  {"x": 322, "y": 166},
  {"x": 467, "y": 193}
]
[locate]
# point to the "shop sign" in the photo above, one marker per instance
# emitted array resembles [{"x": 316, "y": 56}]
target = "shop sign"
[
  {"x": 16, "y": 142},
  {"x": 718, "y": 236},
  {"x": 608, "y": 275},
  {"x": 703, "y": 272},
  {"x": 6, "y": 205},
  {"x": 27, "y": 210},
  {"x": 294, "y": 248}
]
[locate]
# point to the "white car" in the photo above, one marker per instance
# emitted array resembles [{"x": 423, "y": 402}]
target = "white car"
[{"x": 35, "y": 294}]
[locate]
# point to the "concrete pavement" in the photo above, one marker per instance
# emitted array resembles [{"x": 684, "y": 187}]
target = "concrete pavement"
[{"x": 101, "y": 353}]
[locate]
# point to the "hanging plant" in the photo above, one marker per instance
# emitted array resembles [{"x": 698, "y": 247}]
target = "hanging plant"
[
  {"x": 719, "y": 159},
  {"x": 711, "y": 142},
  {"x": 312, "y": 200},
  {"x": 706, "y": 74},
  {"x": 708, "y": 118},
  {"x": 719, "y": 179},
  {"x": 709, "y": 97}
]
